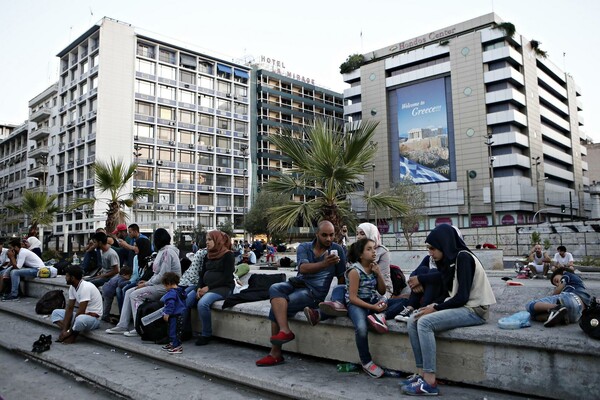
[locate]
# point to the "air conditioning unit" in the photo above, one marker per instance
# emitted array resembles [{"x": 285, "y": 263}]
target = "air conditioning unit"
[
  {"x": 77, "y": 185},
  {"x": 136, "y": 137},
  {"x": 161, "y": 207},
  {"x": 186, "y": 85},
  {"x": 219, "y": 169},
  {"x": 228, "y": 95},
  {"x": 191, "y": 206},
  {"x": 211, "y": 188},
  {"x": 235, "y": 97},
  {"x": 159, "y": 162},
  {"x": 210, "y": 168},
  {"x": 211, "y": 208},
  {"x": 228, "y": 150},
  {"x": 172, "y": 143},
  {"x": 172, "y": 123},
  {"x": 172, "y": 208},
  {"x": 245, "y": 135},
  {"x": 191, "y": 145},
  {"x": 228, "y": 209},
  {"x": 210, "y": 148}
]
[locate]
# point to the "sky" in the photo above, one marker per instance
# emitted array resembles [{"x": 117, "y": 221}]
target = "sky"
[{"x": 312, "y": 38}]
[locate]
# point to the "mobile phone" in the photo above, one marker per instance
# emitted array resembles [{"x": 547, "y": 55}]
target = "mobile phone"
[{"x": 333, "y": 252}]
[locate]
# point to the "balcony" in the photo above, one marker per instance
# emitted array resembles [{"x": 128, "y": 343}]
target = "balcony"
[
  {"x": 504, "y": 74},
  {"x": 39, "y": 133},
  {"x": 40, "y": 115},
  {"x": 41, "y": 151},
  {"x": 37, "y": 171},
  {"x": 511, "y": 95},
  {"x": 37, "y": 189}
]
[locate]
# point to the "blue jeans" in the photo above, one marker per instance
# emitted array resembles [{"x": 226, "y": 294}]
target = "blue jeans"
[
  {"x": 190, "y": 302},
  {"x": 175, "y": 325},
  {"x": 421, "y": 332},
  {"x": 15, "y": 278},
  {"x": 81, "y": 323},
  {"x": 394, "y": 305},
  {"x": 204, "y": 305},
  {"x": 121, "y": 290},
  {"x": 358, "y": 315},
  {"x": 109, "y": 290},
  {"x": 297, "y": 298},
  {"x": 570, "y": 300}
]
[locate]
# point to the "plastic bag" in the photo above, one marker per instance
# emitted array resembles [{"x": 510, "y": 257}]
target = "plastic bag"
[{"x": 516, "y": 321}]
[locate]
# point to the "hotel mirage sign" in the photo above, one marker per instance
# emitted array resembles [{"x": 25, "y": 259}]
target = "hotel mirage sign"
[
  {"x": 421, "y": 40},
  {"x": 278, "y": 67}
]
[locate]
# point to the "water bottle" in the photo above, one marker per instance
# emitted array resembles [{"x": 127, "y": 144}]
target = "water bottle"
[
  {"x": 348, "y": 367},
  {"x": 75, "y": 259}
]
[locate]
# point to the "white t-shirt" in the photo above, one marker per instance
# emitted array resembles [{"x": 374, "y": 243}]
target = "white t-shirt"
[
  {"x": 29, "y": 259},
  {"x": 34, "y": 243},
  {"x": 3, "y": 256},
  {"x": 563, "y": 260},
  {"x": 87, "y": 291}
]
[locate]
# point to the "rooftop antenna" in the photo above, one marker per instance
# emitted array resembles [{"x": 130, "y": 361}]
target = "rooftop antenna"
[{"x": 361, "y": 42}]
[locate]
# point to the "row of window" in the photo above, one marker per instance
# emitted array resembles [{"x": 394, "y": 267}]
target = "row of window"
[
  {"x": 186, "y": 116},
  {"x": 171, "y": 93}
]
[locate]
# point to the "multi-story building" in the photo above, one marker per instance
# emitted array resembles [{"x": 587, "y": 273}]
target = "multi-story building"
[
  {"x": 182, "y": 116},
  {"x": 285, "y": 103},
  {"x": 13, "y": 178},
  {"x": 482, "y": 120},
  {"x": 5, "y": 130}
]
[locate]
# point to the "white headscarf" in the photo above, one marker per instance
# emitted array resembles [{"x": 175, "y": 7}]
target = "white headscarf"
[{"x": 371, "y": 232}]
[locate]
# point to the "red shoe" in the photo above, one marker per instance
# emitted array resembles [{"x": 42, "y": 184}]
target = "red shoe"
[
  {"x": 269, "y": 361},
  {"x": 282, "y": 338}
]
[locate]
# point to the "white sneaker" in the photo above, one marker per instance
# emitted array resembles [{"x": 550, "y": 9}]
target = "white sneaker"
[
  {"x": 373, "y": 370},
  {"x": 131, "y": 333},
  {"x": 116, "y": 330}
]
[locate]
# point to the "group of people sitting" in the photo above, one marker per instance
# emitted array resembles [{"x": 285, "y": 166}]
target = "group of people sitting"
[
  {"x": 540, "y": 263},
  {"x": 449, "y": 289}
]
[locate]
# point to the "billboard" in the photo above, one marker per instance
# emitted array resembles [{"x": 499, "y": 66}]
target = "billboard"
[{"x": 421, "y": 124}]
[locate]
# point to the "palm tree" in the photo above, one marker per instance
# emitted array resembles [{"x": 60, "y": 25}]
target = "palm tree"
[
  {"x": 112, "y": 178},
  {"x": 39, "y": 207},
  {"x": 327, "y": 167}
]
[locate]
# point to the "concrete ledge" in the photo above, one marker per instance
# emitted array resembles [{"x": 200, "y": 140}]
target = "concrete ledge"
[
  {"x": 410, "y": 259},
  {"x": 524, "y": 360}
]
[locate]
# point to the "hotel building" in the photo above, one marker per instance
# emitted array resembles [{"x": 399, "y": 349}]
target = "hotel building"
[{"x": 486, "y": 124}]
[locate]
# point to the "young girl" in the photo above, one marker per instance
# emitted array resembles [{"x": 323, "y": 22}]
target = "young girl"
[{"x": 364, "y": 290}]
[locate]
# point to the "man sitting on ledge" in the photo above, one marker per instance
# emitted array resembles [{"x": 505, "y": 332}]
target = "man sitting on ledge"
[{"x": 318, "y": 261}]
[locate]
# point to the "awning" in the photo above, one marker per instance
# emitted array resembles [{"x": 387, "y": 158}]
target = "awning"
[
  {"x": 224, "y": 68},
  {"x": 187, "y": 60},
  {"x": 241, "y": 74}
]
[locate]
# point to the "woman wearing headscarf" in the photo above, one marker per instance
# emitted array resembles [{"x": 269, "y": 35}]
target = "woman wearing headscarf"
[
  {"x": 215, "y": 280},
  {"x": 469, "y": 295}
]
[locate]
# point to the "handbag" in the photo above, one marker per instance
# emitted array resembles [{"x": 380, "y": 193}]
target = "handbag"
[{"x": 590, "y": 320}]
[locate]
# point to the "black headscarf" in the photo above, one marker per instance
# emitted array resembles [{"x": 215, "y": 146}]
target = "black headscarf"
[{"x": 446, "y": 239}]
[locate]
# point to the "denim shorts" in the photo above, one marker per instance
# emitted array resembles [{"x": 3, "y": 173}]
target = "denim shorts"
[
  {"x": 570, "y": 300},
  {"x": 297, "y": 298}
]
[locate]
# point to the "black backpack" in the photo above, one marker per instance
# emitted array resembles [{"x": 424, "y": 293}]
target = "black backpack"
[
  {"x": 285, "y": 262},
  {"x": 156, "y": 331},
  {"x": 398, "y": 279},
  {"x": 50, "y": 301},
  {"x": 590, "y": 320}
]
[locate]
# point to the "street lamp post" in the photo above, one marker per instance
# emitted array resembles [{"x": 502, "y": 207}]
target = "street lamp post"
[
  {"x": 244, "y": 152},
  {"x": 489, "y": 143}
]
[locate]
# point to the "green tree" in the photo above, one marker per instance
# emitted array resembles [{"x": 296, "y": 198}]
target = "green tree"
[
  {"x": 328, "y": 165},
  {"x": 257, "y": 220},
  {"x": 353, "y": 62},
  {"x": 40, "y": 207},
  {"x": 226, "y": 227},
  {"x": 414, "y": 198},
  {"x": 112, "y": 179}
]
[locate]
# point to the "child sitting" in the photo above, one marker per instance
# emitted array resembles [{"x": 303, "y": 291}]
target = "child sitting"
[
  {"x": 365, "y": 288},
  {"x": 173, "y": 312}
]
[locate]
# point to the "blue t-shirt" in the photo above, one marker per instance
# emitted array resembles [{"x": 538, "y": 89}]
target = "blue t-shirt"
[
  {"x": 574, "y": 284},
  {"x": 319, "y": 282}
]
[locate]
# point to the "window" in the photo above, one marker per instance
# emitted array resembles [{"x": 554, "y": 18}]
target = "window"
[
  {"x": 240, "y": 127},
  {"x": 223, "y": 71},
  {"x": 187, "y": 77},
  {"x": 185, "y": 177},
  {"x": 85, "y": 67},
  {"x": 205, "y": 67},
  {"x": 143, "y": 130},
  {"x": 223, "y": 200},
  {"x": 205, "y": 179},
  {"x": 207, "y": 83},
  {"x": 145, "y": 67},
  {"x": 205, "y": 199},
  {"x": 144, "y": 173},
  {"x": 144, "y": 87},
  {"x": 206, "y": 120},
  {"x": 223, "y": 142},
  {"x": 166, "y": 92},
  {"x": 187, "y": 97},
  {"x": 165, "y": 133},
  {"x": 186, "y": 156},
  {"x": 144, "y": 108},
  {"x": 223, "y": 161},
  {"x": 224, "y": 105},
  {"x": 186, "y": 198},
  {"x": 95, "y": 60},
  {"x": 240, "y": 108},
  {"x": 83, "y": 89},
  {"x": 239, "y": 163},
  {"x": 165, "y": 176},
  {"x": 145, "y": 151},
  {"x": 187, "y": 61},
  {"x": 186, "y": 137},
  {"x": 223, "y": 123},
  {"x": 187, "y": 116},
  {"x": 238, "y": 201},
  {"x": 95, "y": 82},
  {"x": 205, "y": 159},
  {"x": 241, "y": 91},
  {"x": 238, "y": 182},
  {"x": 206, "y": 101},
  {"x": 165, "y": 55},
  {"x": 166, "y": 154},
  {"x": 167, "y": 72},
  {"x": 145, "y": 50},
  {"x": 166, "y": 113},
  {"x": 205, "y": 140},
  {"x": 224, "y": 87}
]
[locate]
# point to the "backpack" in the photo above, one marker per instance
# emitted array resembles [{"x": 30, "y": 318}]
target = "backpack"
[
  {"x": 398, "y": 279},
  {"x": 285, "y": 262},
  {"x": 50, "y": 301},
  {"x": 590, "y": 320},
  {"x": 156, "y": 331}
]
